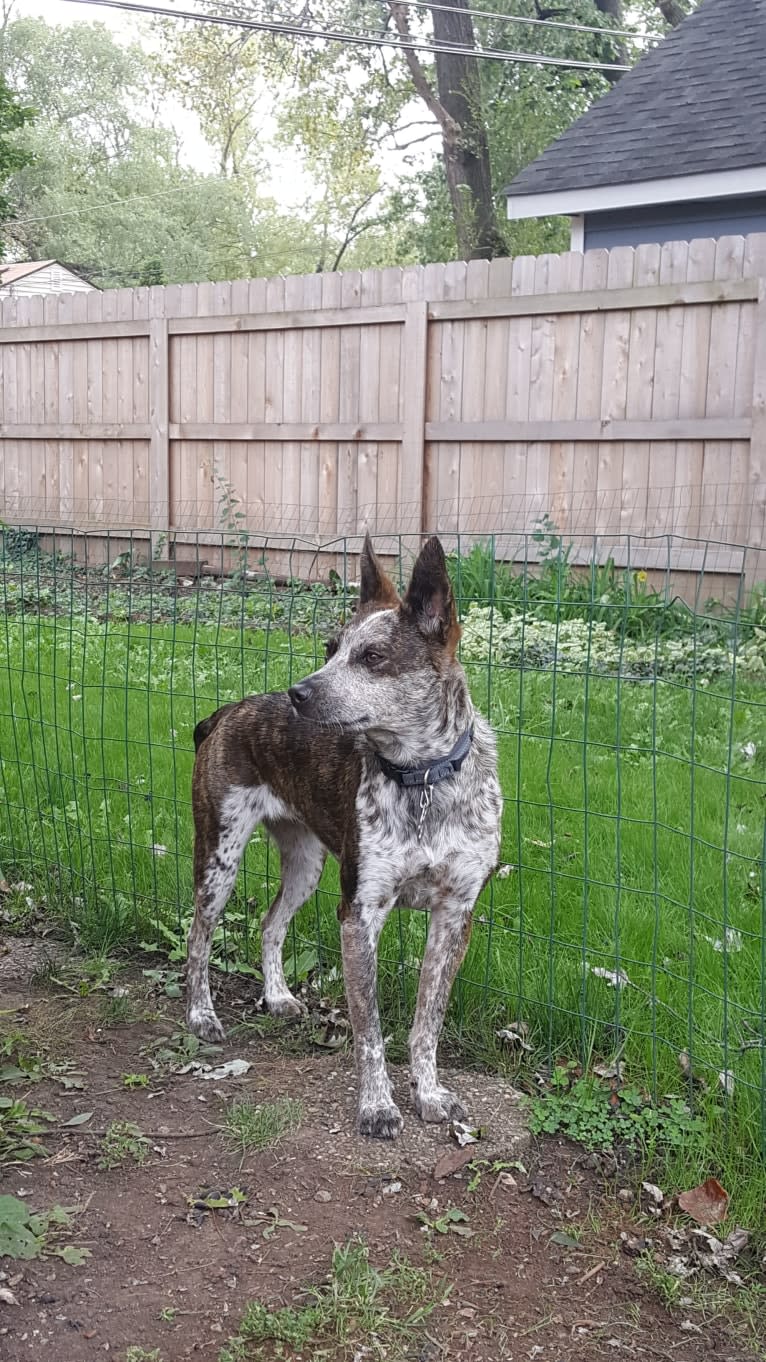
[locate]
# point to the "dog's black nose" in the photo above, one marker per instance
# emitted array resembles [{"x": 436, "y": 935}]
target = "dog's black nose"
[{"x": 300, "y": 693}]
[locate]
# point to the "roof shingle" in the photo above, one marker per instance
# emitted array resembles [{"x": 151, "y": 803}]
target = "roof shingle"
[{"x": 695, "y": 103}]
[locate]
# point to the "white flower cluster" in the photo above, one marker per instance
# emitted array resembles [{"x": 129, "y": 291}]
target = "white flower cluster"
[{"x": 577, "y": 645}]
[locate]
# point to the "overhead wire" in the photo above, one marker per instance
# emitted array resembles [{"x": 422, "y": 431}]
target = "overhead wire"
[{"x": 284, "y": 29}]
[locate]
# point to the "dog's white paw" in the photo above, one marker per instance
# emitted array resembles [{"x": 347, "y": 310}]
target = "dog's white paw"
[
  {"x": 285, "y": 1005},
  {"x": 437, "y": 1105},
  {"x": 203, "y": 1022},
  {"x": 383, "y": 1122}
]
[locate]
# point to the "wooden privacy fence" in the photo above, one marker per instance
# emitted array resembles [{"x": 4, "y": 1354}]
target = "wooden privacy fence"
[{"x": 618, "y": 393}]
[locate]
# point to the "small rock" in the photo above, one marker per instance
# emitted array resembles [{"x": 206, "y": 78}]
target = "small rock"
[
  {"x": 625, "y": 1194},
  {"x": 322, "y": 1195}
]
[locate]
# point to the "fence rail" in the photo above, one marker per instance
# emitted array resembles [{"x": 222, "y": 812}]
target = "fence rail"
[{"x": 630, "y": 381}]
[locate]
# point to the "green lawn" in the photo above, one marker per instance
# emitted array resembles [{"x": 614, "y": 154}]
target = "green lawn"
[{"x": 633, "y": 841}]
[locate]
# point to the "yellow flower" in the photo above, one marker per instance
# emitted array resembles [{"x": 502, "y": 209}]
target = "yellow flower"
[{"x": 640, "y": 576}]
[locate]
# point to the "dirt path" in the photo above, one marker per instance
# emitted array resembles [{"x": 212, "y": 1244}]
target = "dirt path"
[{"x": 541, "y": 1273}]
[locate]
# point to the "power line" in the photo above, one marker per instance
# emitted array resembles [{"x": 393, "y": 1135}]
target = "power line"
[
  {"x": 96, "y": 207},
  {"x": 353, "y": 39},
  {"x": 525, "y": 19}
]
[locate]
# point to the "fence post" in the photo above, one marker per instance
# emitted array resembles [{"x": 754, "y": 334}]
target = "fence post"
[
  {"x": 757, "y": 459},
  {"x": 159, "y": 416},
  {"x": 415, "y": 354}
]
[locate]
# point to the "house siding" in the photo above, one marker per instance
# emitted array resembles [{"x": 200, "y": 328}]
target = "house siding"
[
  {"x": 50, "y": 279},
  {"x": 675, "y": 222}
]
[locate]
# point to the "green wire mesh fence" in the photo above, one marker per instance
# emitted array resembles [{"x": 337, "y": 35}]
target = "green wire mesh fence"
[{"x": 627, "y": 919}]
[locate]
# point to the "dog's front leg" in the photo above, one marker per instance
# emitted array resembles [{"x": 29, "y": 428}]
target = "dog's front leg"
[
  {"x": 360, "y": 929},
  {"x": 448, "y": 937}
]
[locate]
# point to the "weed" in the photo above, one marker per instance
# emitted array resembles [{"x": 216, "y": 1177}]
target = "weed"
[
  {"x": 25, "y": 1234},
  {"x": 450, "y": 1221},
  {"x": 599, "y": 1117},
  {"x": 135, "y": 1080},
  {"x": 20, "y": 1130},
  {"x": 478, "y": 1168},
  {"x": 116, "y": 1011},
  {"x": 123, "y": 1140},
  {"x": 252, "y": 1125},
  {"x": 360, "y": 1306},
  {"x": 168, "y": 1315},
  {"x": 138, "y": 1354}
]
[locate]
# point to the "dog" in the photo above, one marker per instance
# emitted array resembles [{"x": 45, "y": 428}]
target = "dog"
[{"x": 380, "y": 759}]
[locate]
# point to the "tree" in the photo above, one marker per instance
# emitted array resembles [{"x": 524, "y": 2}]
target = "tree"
[
  {"x": 217, "y": 73},
  {"x": 13, "y": 157},
  {"x": 457, "y": 106}
]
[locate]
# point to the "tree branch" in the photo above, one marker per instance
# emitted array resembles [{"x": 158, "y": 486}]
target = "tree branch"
[{"x": 450, "y": 129}]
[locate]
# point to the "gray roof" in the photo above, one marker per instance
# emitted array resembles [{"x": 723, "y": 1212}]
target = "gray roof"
[{"x": 695, "y": 103}]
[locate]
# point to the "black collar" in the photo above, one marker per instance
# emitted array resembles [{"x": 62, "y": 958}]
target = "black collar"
[{"x": 441, "y": 768}]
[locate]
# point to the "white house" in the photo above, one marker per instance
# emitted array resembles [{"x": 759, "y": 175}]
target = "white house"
[{"x": 41, "y": 276}]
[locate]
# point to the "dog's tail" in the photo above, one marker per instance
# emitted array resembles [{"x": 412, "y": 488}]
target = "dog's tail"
[{"x": 205, "y": 726}]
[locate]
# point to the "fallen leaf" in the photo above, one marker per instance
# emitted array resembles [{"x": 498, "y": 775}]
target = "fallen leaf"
[
  {"x": 503, "y": 871},
  {"x": 613, "y": 1070},
  {"x": 564, "y": 1240},
  {"x": 464, "y": 1134},
  {"x": 452, "y": 1161},
  {"x": 233, "y": 1068},
  {"x": 708, "y": 1203},
  {"x": 80, "y": 1119},
  {"x": 656, "y": 1193},
  {"x": 615, "y": 978},
  {"x": 726, "y": 1080},
  {"x": 515, "y": 1035},
  {"x": 7, "y": 1297},
  {"x": 732, "y": 941}
]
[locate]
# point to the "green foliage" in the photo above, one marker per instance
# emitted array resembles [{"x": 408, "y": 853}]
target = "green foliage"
[
  {"x": 123, "y": 1140},
  {"x": 256, "y": 1125},
  {"x": 599, "y": 1117},
  {"x": 383, "y": 1310},
  {"x": 21, "y": 1127},
  {"x": 26, "y": 1235},
  {"x": 13, "y": 156}
]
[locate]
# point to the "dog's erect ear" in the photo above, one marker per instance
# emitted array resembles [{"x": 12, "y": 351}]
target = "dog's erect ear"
[
  {"x": 374, "y": 584},
  {"x": 429, "y": 596}
]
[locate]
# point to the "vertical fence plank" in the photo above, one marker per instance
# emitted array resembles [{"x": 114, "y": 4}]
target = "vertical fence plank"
[{"x": 415, "y": 352}]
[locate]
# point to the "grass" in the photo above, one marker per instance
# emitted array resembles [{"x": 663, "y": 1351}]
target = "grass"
[
  {"x": 633, "y": 841},
  {"x": 382, "y": 1311},
  {"x": 256, "y": 1125}
]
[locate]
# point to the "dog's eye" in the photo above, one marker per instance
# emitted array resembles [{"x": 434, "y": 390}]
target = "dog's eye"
[
  {"x": 372, "y": 657},
  {"x": 331, "y": 648}
]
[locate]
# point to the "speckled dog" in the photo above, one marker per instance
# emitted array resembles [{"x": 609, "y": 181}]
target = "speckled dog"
[{"x": 379, "y": 758}]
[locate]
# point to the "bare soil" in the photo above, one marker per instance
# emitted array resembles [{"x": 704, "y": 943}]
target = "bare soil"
[{"x": 544, "y": 1274}]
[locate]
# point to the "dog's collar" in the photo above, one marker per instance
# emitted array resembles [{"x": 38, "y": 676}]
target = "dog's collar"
[{"x": 441, "y": 768}]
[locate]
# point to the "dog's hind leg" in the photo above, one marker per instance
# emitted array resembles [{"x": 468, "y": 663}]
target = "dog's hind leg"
[
  {"x": 219, "y": 842},
  {"x": 302, "y": 857},
  {"x": 448, "y": 937}
]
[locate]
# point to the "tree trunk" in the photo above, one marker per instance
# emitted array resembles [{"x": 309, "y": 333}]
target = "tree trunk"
[
  {"x": 465, "y": 145},
  {"x": 612, "y": 11},
  {"x": 671, "y": 12}
]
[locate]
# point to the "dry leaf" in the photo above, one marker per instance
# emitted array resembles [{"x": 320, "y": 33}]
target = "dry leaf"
[
  {"x": 452, "y": 1161},
  {"x": 615, "y": 978},
  {"x": 708, "y": 1204},
  {"x": 726, "y": 1080},
  {"x": 656, "y": 1193},
  {"x": 464, "y": 1134},
  {"x": 515, "y": 1035}
]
